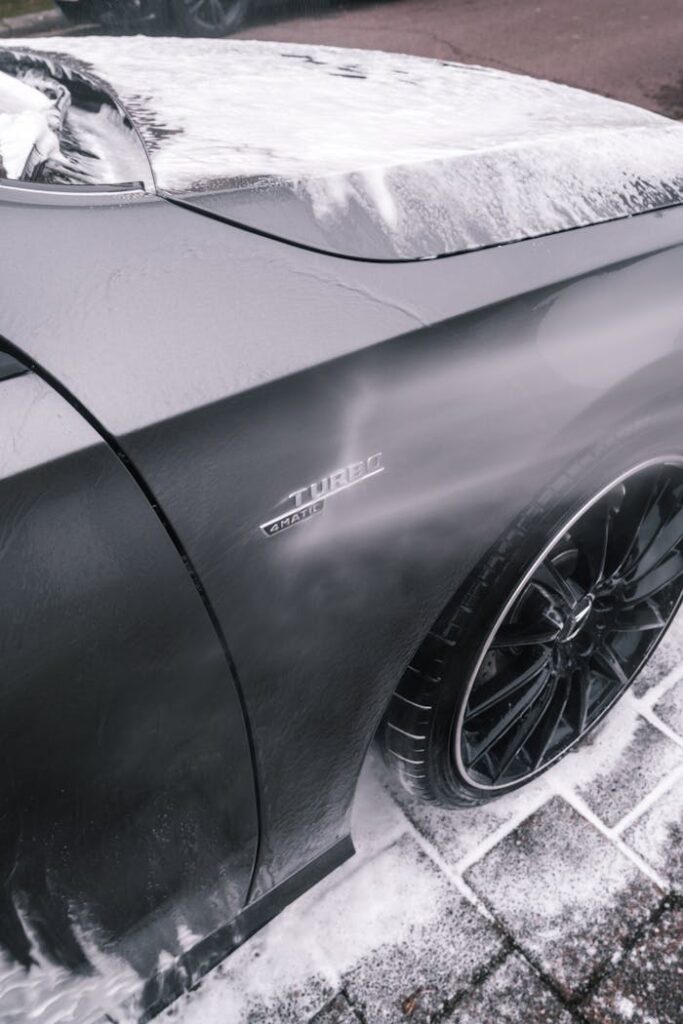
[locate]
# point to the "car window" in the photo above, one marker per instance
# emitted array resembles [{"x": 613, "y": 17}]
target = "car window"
[{"x": 61, "y": 126}]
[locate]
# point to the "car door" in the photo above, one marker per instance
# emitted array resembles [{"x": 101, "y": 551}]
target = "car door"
[{"x": 128, "y": 809}]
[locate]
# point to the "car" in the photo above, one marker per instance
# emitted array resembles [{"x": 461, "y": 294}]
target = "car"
[
  {"x": 341, "y": 404},
  {"x": 189, "y": 17}
]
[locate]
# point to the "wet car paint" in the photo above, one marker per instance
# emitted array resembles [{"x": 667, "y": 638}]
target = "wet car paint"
[
  {"x": 127, "y": 793},
  {"x": 219, "y": 372},
  {"x": 210, "y": 375}
]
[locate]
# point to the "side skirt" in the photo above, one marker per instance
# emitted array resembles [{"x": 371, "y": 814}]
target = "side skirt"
[{"x": 188, "y": 970}]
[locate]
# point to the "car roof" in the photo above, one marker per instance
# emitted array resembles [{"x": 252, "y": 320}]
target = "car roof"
[{"x": 378, "y": 155}]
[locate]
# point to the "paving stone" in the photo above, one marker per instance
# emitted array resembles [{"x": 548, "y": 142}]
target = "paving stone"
[
  {"x": 647, "y": 987},
  {"x": 377, "y": 820},
  {"x": 457, "y": 834},
  {"x": 658, "y": 836},
  {"x": 667, "y": 657},
  {"x": 565, "y": 893},
  {"x": 670, "y": 708},
  {"x": 402, "y": 937},
  {"x": 630, "y": 757},
  {"x": 279, "y": 975},
  {"x": 337, "y": 1012},
  {"x": 512, "y": 986}
]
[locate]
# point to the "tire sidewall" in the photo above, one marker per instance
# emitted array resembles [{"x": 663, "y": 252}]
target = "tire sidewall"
[
  {"x": 75, "y": 14},
  {"x": 473, "y": 613}
]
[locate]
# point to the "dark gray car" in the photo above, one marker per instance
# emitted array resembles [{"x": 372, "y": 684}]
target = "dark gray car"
[
  {"x": 341, "y": 397},
  {"x": 188, "y": 17}
]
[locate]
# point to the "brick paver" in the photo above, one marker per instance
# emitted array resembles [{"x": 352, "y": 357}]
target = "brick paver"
[
  {"x": 648, "y": 987},
  {"x": 405, "y": 941},
  {"x": 670, "y": 708},
  {"x": 339, "y": 1011},
  {"x": 638, "y": 766},
  {"x": 513, "y": 993},
  {"x": 657, "y": 836},
  {"x": 565, "y": 894}
]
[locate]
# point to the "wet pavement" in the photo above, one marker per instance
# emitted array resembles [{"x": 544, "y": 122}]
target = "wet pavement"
[{"x": 562, "y": 903}]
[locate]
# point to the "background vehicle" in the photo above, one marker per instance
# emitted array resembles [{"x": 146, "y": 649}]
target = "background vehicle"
[
  {"x": 190, "y": 17},
  {"x": 297, "y": 440}
]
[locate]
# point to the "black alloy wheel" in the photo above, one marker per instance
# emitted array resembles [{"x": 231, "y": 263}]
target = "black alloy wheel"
[
  {"x": 480, "y": 715},
  {"x": 211, "y": 18},
  {"x": 118, "y": 15},
  {"x": 574, "y": 636}
]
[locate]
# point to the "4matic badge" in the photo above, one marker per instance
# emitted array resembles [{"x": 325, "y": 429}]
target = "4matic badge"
[{"x": 310, "y": 501}]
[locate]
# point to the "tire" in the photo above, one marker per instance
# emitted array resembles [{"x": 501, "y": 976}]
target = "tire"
[
  {"x": 77, "y": 13},
  {"x": 209, "y": 18},
  {"x": 580, "y": 648},
  {"x": 148, "y": 16},
  {"x": 124, "y": 15}
]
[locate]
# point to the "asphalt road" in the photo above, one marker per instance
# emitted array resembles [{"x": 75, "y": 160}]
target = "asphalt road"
[{"x": 627, "y": 49}]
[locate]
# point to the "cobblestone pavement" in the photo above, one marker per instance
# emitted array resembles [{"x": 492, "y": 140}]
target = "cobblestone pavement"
[{"x": 555, "y": 905}]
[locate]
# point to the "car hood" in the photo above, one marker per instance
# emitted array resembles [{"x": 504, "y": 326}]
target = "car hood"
[{"x": 377, "y": 155}]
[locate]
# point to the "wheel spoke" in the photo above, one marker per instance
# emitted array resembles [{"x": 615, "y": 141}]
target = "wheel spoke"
[
  {"x": 526, "y": 634},
  {"x": 637, "y": 618},
  {"x": 647, "y": 522},
  {"x": 550, "y": 723},
  {"x": 642, "y": 587},
  {"x": 509, "y": 719},
  {"x": 527, "y": 726},
  {"x": 550, "y": 581},
  {"x": 659, "y": 547},
  {"x": 211, "y": 13},
  {"x": 596, "y": 551},
  {"x": 610, "y": 664},
  {"x": 501, "y": 687},
  {"x": 579, "y": 699}
]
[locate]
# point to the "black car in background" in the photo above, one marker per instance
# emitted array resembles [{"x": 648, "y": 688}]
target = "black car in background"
[{"x": 188, "y": 17}]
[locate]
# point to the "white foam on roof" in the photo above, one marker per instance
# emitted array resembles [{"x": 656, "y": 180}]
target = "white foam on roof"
[{"x": 481, "y": 155}]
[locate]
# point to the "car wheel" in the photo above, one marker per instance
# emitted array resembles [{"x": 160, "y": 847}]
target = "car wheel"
[
  {"x": 546, "y": 635},
  {"x": 76, "y": 13},
  {"x": 149, "y": 16},
  {"x": 211, "y": 18}
]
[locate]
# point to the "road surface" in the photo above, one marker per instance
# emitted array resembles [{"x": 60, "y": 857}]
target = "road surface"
[{"x": 627, "y": 49}]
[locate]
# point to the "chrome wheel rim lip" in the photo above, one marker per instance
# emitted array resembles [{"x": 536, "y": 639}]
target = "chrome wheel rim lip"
[{"x": 457, "y": 736}]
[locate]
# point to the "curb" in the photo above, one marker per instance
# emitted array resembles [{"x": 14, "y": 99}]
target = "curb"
[{"x": 32, "y": 24}]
